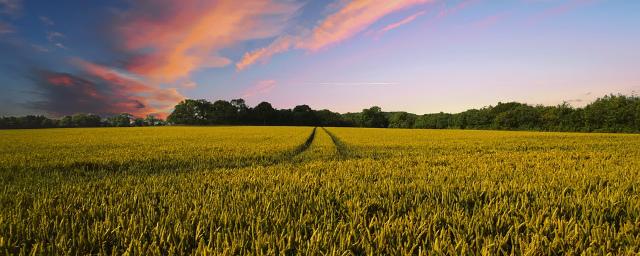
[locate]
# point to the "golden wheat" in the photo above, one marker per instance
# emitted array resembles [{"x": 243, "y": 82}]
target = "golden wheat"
[{"x": 291, "y": 190}]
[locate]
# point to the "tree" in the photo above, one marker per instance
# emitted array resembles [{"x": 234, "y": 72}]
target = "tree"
[
  {"x": 304, "y": 115},
  {"x": 121, "y": 120},
  {"x": 66, "y": 121},
  {"x": 77, "y": 120},
  {"x": 243, "y": 110},
  {"x": 192, "y": 112},
  {"x": 86, "y": 120},
  {"x": 139, "y": 122},
  {"x": 328, "y": 118},
  {"x": 519, "y": 117},
  {"x": 402, "y": 120},
  {"x": 637, "y": 114},
  {"x": 434, "y": 121},
  {"x": 613, "y": 113},
  {"x": 353, "y": 118},
  {"x": 558, "y": 118},
  {"x": 264, "y": 113},
  {"x": 152, "y": 120},
  {"x": 373, "y": 117},
  {"x": 239, "y": 104},
  {"x": 224, "y": 112}
]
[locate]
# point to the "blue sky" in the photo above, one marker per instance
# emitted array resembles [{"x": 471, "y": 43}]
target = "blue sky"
[{"x": 421, "y": 56}]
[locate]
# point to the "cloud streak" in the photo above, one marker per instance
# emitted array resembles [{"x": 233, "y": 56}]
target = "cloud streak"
[
  {"x": 282, "y": 44},
  {"x": 349, "y": 19},
  {"x": 66, "y": 94},
  {"x": 163, "y": 42},
  {"x": 359, "y": 84},
  {"x": 401, "y": 22},
  {"x": 352, "y": 19},
  {"x": 170, "y": 39},
  {"x": 262, "y": 87},
  {"x": 559, "y": 10},
  {"x": 160, "y": 99},
  {"x": 101, "y": 90}
]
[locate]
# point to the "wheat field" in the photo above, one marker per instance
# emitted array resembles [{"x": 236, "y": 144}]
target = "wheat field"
[{"x": 317, "y": 191}]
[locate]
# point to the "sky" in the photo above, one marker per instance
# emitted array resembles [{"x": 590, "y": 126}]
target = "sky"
[{"x": 422, "y": 56}]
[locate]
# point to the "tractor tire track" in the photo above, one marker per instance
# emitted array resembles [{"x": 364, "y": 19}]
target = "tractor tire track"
[
  {"x": 304, "y": 146},
  {"x": 343, "y": 150},
  {"x": 135, "y": 167}
]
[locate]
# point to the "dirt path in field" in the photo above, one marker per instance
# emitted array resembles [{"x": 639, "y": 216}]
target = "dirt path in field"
[
  {"x": 320, "y": 147},
  {"x": 341, "y": 147},
  {"x": 325, "y": 146},
  {"x": 306, "y": 143}
]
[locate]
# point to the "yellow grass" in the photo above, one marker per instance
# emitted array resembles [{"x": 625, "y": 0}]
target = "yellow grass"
[{"x": 268, "y": 190}]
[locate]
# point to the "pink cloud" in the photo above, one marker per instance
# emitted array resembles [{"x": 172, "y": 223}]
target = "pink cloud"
[
  {"x": 178, "y": 37},
  {"x": 281, "y": 44},
  {"x": 352, "y": 19},
  {"x": 559, "y": 10},
  {"x": 445, "y": 11},
  {"x": 127, "y": 86},
  {"x": 61, "y": 80},
  {"x": 189, "y": 84},
  {"x": 348, "y": 20},
  {"x": 489, "y": 21},
  {"x": 401, "y": 22},
  {"x": 262, "y": 87}
]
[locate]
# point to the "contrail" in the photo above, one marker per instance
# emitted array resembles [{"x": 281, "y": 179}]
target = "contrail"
[{"x": 358, "y": 84}]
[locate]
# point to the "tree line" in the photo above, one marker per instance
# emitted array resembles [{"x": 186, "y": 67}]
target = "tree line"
[
  {"x": 77, "y": 120},
  {"x": 611, "y": 113},
  {"x": 236, "y": 112}
]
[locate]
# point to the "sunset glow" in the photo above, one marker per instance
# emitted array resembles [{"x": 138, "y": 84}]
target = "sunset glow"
[{"x": 143, "y": 57}]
